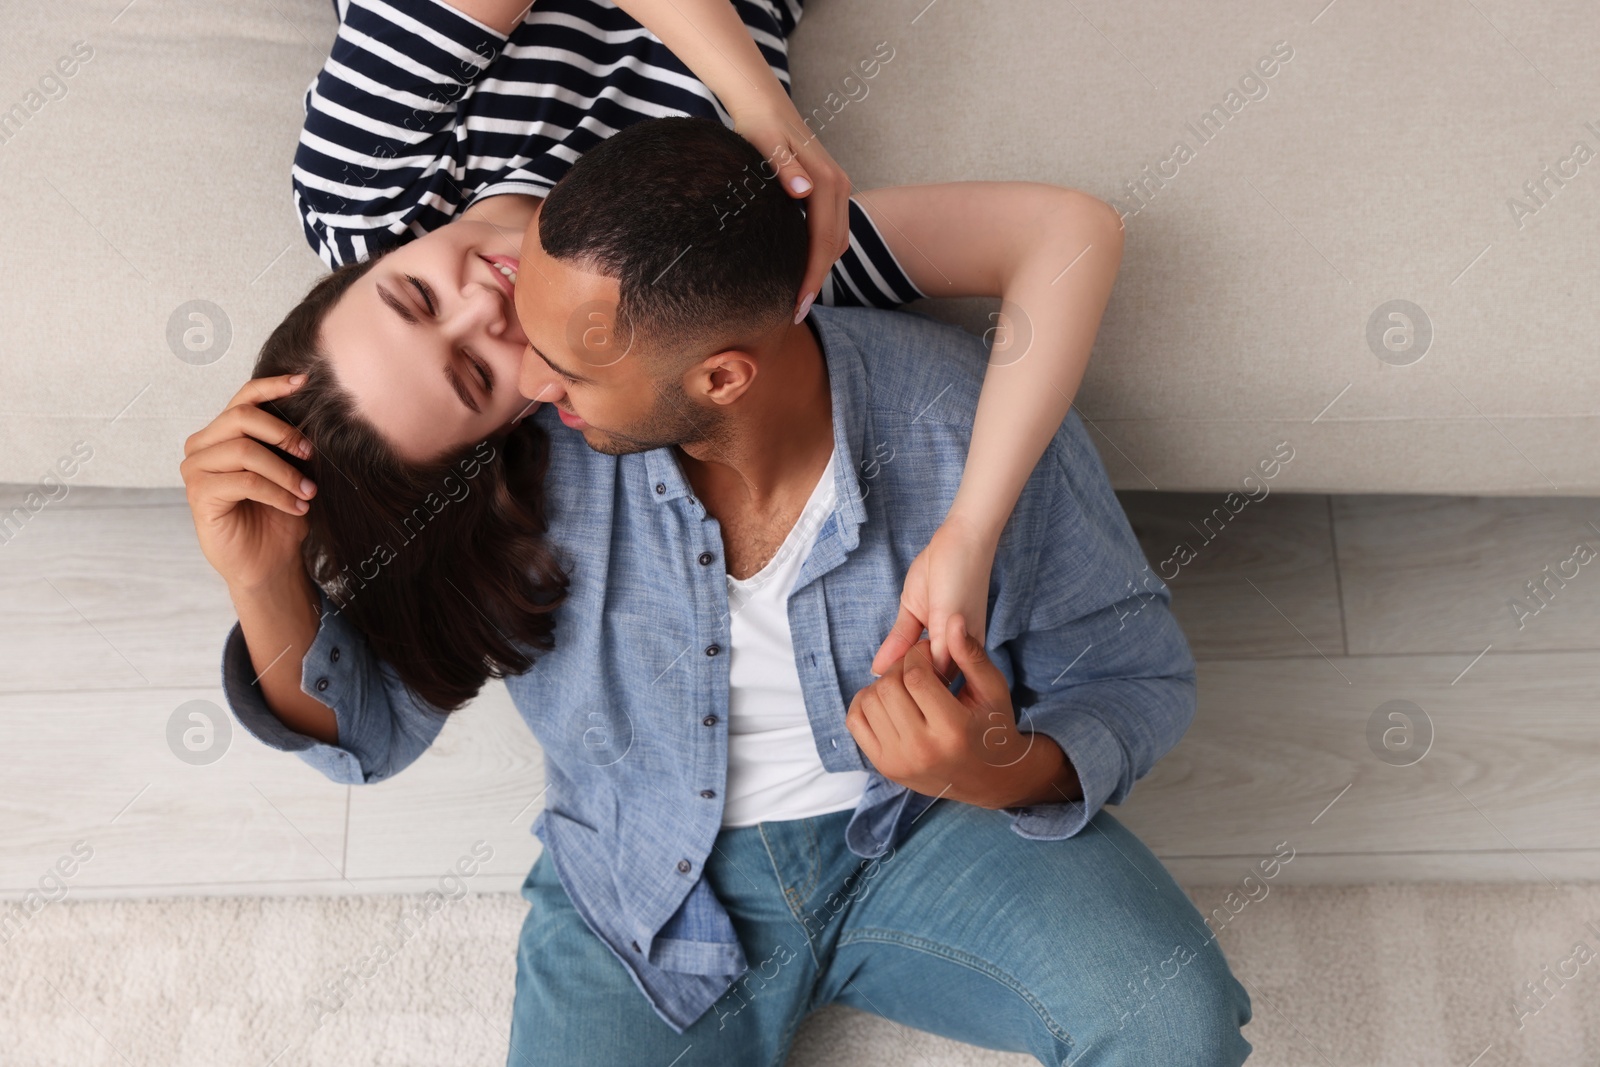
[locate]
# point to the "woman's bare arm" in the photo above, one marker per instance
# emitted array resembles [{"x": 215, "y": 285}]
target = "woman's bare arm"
[{"x": 1051, "y": 254}]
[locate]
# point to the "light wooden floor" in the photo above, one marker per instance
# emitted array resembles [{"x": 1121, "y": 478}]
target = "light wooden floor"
[{"x": 1309, "y": 615}]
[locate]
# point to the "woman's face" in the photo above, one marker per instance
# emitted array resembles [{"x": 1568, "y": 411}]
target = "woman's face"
[{"x": 428, "y": 342}]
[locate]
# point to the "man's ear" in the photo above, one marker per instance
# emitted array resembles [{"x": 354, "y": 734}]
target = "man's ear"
[{"x": 722, "y": 378}]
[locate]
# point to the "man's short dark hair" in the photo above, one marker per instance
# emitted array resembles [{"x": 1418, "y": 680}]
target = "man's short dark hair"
[{"x": 690, "y": 220}]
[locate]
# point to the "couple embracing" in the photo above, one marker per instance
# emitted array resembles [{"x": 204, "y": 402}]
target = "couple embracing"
[{"x": 679, "y": 476}]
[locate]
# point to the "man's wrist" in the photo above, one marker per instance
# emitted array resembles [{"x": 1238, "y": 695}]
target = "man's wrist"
[{"x": 1044, "y": 775}]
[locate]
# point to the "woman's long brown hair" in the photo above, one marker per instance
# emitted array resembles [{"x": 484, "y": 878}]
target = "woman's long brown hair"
[{"x": 443, "y": 567}]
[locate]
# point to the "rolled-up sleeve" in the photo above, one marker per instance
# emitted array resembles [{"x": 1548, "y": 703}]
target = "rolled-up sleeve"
[
  {"x": 382, "y": 727},
  {"x": 1103, "y": 668},
  {"x": 1112, "y": 731}
]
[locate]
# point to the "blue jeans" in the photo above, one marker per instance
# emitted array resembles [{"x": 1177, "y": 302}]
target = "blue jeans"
[{"x": 1081, "y": 952}]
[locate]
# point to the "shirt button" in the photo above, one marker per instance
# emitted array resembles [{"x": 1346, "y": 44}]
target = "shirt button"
[
  {"x": 712, "y": 650},
  {"x": 322, "y": 683},
  {"x": 661, "y": 487},
  {"x": 709, "y": 720},
  {"x": 684, "y": 866},
  {"x": 334, "y": 655},
  {"x": 708, "y": 793},
  {"x": 706, "y": 558}
]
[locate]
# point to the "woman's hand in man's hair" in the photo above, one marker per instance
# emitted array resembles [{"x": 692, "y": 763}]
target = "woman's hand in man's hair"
[{"x": 795, "y": 157}]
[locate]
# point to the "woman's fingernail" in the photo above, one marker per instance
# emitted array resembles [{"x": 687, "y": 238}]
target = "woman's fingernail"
[
  {"x": 298, "y": 379},
  {"x": 799, "y": 184},
  {"x": 306, "y": 487},
  {"x": 805, "y": 306}
]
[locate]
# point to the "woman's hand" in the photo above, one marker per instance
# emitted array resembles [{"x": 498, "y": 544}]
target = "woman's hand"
[
  {"x": 806, "y": 170},
  {"x": 950, "y": 577},
  {"x": 715, "y": 44},
  {"x": 249, "y": 505}
]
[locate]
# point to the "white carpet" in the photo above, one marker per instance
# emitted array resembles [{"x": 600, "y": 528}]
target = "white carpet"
[{"x": 1398, "y": 975}]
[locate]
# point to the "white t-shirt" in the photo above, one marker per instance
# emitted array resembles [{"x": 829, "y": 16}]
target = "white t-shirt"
[{"x": 774, "y": 771}]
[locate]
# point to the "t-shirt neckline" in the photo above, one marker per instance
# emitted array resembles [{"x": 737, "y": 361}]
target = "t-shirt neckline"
[{"x": 813, "y": 502}]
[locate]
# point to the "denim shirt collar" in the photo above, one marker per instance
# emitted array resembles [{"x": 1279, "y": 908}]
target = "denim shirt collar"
[{"x": 847, "y": 389}]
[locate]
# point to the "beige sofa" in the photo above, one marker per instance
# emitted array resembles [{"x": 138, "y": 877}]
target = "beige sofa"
[{"x": 1332, "y": 164}]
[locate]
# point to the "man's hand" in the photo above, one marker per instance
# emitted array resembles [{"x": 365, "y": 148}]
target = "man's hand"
[
  {"x": 966, "y": 745},
  {"x": 249, "y": 504}
]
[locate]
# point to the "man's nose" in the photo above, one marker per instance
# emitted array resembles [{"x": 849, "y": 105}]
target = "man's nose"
[{"x": 536, "y": 380}]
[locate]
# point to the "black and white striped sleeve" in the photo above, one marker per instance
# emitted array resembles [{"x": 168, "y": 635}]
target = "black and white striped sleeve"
[
  {"x": 381, "y": 152},
  {"x": 867, "y": 275}
]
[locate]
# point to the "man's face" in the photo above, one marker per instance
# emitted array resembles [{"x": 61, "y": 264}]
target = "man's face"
[{"x": 603, "y": 384}]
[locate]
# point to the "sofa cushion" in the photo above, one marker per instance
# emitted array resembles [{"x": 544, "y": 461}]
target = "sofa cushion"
[{"x": 1335, "y": 258}]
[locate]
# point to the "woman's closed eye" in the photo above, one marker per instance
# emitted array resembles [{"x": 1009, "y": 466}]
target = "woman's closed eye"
[
  {"x": 485, "y": 375},
  {"x": 480, "y": 369},
  {"x": 423, "y": 291}
]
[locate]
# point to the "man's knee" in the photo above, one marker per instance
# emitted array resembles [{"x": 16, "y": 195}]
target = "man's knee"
[{"x": 1188, "y": 1009}]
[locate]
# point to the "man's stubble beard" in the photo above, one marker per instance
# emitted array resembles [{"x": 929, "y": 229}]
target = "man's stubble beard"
[{"x": 673, "y": 420}]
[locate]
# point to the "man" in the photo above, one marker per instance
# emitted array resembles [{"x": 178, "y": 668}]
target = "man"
[{"x": 742, "y": 823}]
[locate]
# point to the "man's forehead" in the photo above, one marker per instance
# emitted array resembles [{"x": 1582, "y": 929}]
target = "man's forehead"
[
  {"x": 564, "y": 309},
  {"x": 562, "y": 279}
]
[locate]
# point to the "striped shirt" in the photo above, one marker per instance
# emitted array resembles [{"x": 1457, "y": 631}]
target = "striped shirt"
[{"x": 421, "y": 111}]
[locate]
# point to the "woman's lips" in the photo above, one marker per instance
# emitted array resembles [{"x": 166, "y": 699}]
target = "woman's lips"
[
  {"x": 507, "y": 286},
  {"x": 496, "y": 262}
]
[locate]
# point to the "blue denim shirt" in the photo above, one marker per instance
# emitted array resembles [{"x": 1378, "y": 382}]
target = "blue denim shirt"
[{"x": 631, "y": 707}]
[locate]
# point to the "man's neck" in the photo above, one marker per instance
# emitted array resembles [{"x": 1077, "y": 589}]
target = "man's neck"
[{"x": 775, "y": 446}]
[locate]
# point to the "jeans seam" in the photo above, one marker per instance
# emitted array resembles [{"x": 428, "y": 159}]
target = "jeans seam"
[
  {"x": 789, "y": 896},
  {"x": 963, "y": 959},
  {"x": 814, "y": 871}
]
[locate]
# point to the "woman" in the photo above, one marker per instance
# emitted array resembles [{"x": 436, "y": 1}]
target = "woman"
[{"x": 428, "y": 120}]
